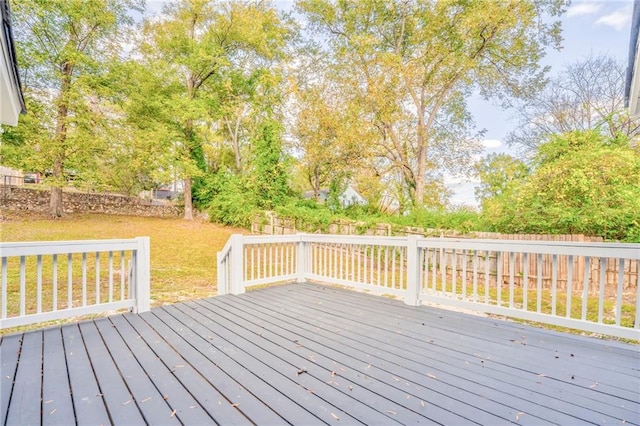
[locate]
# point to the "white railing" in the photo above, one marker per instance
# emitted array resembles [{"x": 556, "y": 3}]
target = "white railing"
[
  {"x": 52, "y": 280},
  {"x": 593, "y": 287}
]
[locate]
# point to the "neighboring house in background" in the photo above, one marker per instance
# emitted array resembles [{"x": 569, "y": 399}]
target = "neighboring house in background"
[
  {"x": 349, "y": 197},
  {"x": 632, "y": 88},
  {"x": 11, "y": 98}
]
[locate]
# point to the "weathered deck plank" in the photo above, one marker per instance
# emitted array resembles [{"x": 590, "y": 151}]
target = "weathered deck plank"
[
  {"x": 57, "y": 406},
  {"x": 145, "y": 396},
  {"x": 9, "y": 353},
  {"x": 310, "y": 354},
  {"x": 86, "y": 393},
  {"x": 26, "y": 389},
  {"x": 430, "y": 353}
]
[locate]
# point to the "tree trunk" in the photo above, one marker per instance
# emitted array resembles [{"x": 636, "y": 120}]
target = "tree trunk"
[
  {"x": 188, "y": 133},
  {"x": 188, "y": 203},
  {"x": 55, "y": 202}
]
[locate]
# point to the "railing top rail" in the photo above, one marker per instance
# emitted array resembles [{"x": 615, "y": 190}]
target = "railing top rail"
[
  {"x": 226, "y": 249},
  {"x": 32, "y": 248},
  {"x": 270, "y": 239},
  {"x": 615, "y": 250},
  {"x": 354, "y": 239}
]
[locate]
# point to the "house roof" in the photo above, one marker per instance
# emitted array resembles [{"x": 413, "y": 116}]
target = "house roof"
[
  {"x": 11, "y": 105},
  {"x": 632, "y": 87}
]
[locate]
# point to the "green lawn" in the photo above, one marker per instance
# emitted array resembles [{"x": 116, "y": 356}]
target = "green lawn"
[{"x": 183, "y": 253}]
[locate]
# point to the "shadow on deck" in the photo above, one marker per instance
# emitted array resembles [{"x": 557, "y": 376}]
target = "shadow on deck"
[{"x": 310, "y": 354}]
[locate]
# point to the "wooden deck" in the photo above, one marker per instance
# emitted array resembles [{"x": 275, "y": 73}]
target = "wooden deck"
[{"x": 309, "y": 354}]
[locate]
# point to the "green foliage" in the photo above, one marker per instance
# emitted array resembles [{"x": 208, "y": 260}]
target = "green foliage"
[
  {"x": 234, "y": 198},
  {"x": 336, "y": 187},
  {"x": 308, "y": 215},
  {"x": 463, "y": 220},
  {"x": 499, "y": 174},
  {"x": 583, "y": 182},
  {"x": 268, "y": 179},
  {"x": 66, "y": 50},
  {"x": 230, "y": 203}
]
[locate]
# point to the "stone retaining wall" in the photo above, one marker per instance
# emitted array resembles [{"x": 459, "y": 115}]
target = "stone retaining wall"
[{"x": 30, "y": 199}]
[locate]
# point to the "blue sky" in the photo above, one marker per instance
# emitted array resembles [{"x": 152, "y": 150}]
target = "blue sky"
[{"x": 588, "y": 27}]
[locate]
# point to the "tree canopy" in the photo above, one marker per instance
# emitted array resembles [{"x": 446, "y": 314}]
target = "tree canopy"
[{"x": 239, "y": 104}]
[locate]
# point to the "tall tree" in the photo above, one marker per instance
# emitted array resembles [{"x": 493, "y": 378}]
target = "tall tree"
[
  {"x": 195, "y": 44},
  {"x": 331, "y": 143},
  {"x": 65, "y": 47},
  {"x": 411, "y": 63},
  {"x": 586, "y": 95}
]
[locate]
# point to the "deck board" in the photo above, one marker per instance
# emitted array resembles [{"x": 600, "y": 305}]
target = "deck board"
[
  {"x": 183, "y": 404},
  {"x": 312, "y": 354},
  {"x": 9, "y": 352},
  {"x": 401, "y": 354},
  {"x": 543, "y": 367},
  {"x": 26, "y": 390},
  {"x": 88, "y": 400},
  {"x": 57, "y": 406},
  {"x": 153, "y": 407},
  {"x": 209, "y": 344},
  {"x": 116, "y": 395}
]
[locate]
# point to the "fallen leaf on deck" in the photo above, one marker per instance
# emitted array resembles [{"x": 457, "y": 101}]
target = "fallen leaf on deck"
[
  {"x": 333, "y": 374},
  {"x": 390, "y": 412},
  {"x": 594, "y": 385},
  {"x": 165, "y": 397},
  {"x": 518, "y": 415},
  {"x": 173, "y": 413},
  {"x": 542, "y": 375},
  {"x": 395, "y": 378},
  {"x": 334, "y": 416},
  {"x": 302, "y": 370},
  {"x": 422, "y": 403},
  {"x": 126, "y": 402},
  {"x": 53, "y": 411},
  {"x": 431, "y": 375},
  {"x": 49, "y": 401},
  {"x": 146, "y": 399},
  {"x": 235, "y": 404}
]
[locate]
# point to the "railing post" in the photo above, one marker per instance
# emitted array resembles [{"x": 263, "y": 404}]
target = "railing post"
[
  {"x": 222, "y": 283},
  {"x": 237, "y": 265},
  {"x": 142, "y": 289},
  {"x": 301, "y": 259},
  {"x": 412, "y": 296}
]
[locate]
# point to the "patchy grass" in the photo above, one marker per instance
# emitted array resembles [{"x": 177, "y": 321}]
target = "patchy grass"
[{"x": 183, "y": 253}]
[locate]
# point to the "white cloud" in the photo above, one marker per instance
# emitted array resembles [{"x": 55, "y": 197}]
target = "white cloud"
[
  {"x": 583, "y": 9},
  {"x": 491, "y": 143},
  {"x": 618, "y": 19}
]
